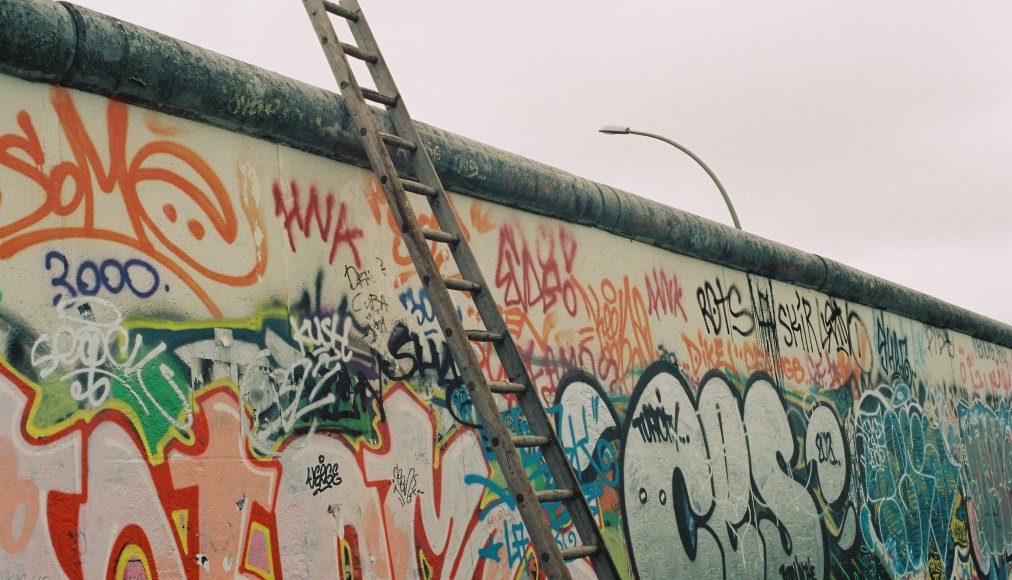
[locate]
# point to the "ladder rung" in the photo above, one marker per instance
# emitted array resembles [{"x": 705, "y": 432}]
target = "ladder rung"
[
  {"x": 396, "y": 141},
  {"x": 531, "y": 441},
  {"x": 579, "y": 552},
  {"x": 420, "y": 188},
  {"x": 352, "y": 50},
  {"x": 550, "y": 495},
  {"x": 484, "y": 335},
  {"x": 462, "y": 285},
  {"x": 378, "y": 97},
  {"x": 504, "y": 388},
  {"x": 338, "y": 10},
  {"x": 439, "y": 236}
]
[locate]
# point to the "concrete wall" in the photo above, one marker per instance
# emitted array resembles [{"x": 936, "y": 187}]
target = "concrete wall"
[{"x": 216, "y": 359}]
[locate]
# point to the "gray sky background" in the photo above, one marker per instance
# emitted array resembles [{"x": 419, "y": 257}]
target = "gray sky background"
[{"x": 877, "y": 134}]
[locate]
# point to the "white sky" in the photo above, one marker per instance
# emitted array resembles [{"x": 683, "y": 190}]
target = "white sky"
[{"x": 875, "y": 133}]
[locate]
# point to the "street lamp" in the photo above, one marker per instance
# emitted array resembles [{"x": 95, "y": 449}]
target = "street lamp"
[{"x": 616, "y": 130}]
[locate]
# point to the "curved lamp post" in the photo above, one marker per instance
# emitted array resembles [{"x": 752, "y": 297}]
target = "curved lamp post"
[{"x": 616, "y": 130}]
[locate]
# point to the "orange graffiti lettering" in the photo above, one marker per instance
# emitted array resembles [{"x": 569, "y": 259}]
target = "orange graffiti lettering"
[
  {"x": 18, "y": 493},
  {"x": 744, "y": 359},
  {"x": 67, "y": 192},
  {"x": 621, "y": 327}
]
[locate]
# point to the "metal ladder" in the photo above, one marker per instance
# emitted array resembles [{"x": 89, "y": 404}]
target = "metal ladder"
[{"x": 504, "y": 444}]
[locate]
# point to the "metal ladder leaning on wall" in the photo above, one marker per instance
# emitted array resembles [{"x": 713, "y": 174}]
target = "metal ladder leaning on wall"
[{"x": 481, "y": 390}]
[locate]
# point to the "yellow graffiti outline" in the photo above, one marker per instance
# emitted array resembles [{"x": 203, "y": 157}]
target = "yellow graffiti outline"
[
  {"x": 423, "y": 566},
  {"x": 265, "y": 574},
  {"x": 181, "y": 521},
  {"x": 253, "y": 323},
  {"x": 87, "y": 416},
  {"x": 346, "y": 562},
  {"x": 130, "y": 552}
]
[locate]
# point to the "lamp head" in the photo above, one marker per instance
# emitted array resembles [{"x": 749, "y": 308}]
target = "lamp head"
[{"x": 614, "y": 130}]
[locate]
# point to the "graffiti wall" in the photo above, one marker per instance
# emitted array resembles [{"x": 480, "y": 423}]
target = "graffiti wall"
[{"x": 216, "y": 360}]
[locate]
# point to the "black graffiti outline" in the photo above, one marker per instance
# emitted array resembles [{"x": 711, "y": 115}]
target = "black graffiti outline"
[
  {"x": 700, "y": 522},
  {"x": 610, "y": 436}
]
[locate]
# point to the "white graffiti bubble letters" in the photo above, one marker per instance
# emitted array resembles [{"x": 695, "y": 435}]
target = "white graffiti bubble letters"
[
  {"x": 825, "y": 449},
  {"x": 95, "y": 348},
  {"x": 724, "y": 427},
  {"x": 794, "y": 540},
  {"x": 663, "y": 445},
  {"x": 708, "y": 487},
  {"x": 278, "y": 394}
]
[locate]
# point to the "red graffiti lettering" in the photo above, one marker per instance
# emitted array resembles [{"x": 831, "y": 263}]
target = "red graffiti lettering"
[
  {"x": 529, "y": 276},
  {"x": 301, "y": 219},
  {"x": 664, "y": 295}
]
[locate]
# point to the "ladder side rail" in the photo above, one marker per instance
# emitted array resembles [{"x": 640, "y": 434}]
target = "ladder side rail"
[
  {"x": 360, "y": 112},
  {"x": 513, "y": 470},
  {"x": 400, "y": 118},
  {"x": 553, "y": 454},
  {"x": 466, "y": 262},
  {"x": 555, "y": 457},
  {"x": 424, "y": 171}
]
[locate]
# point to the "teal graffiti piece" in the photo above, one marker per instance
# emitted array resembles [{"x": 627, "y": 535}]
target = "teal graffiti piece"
[
  {"x": 894, "y": 441},
  {"x": 879, "y": 473},
  {"x": 901, "y": 394},
  {"x": 840, "y": 399},
  {"x": 986, "y": 473},
  {"x": 912, "y": 481},
  {"x": 915, "y": 523},
  {"x": 504, "y": 495},
  {"x": 491, "y": 551},
  {"x": 892, "y": 530},
  {"x": 867, "y": 528},
  {"x": 946, "y": 486},
  {"x": 914, "y": 432}
]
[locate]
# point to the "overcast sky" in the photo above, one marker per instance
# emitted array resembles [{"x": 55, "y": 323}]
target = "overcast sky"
[{"x": 878, "y": 134}]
